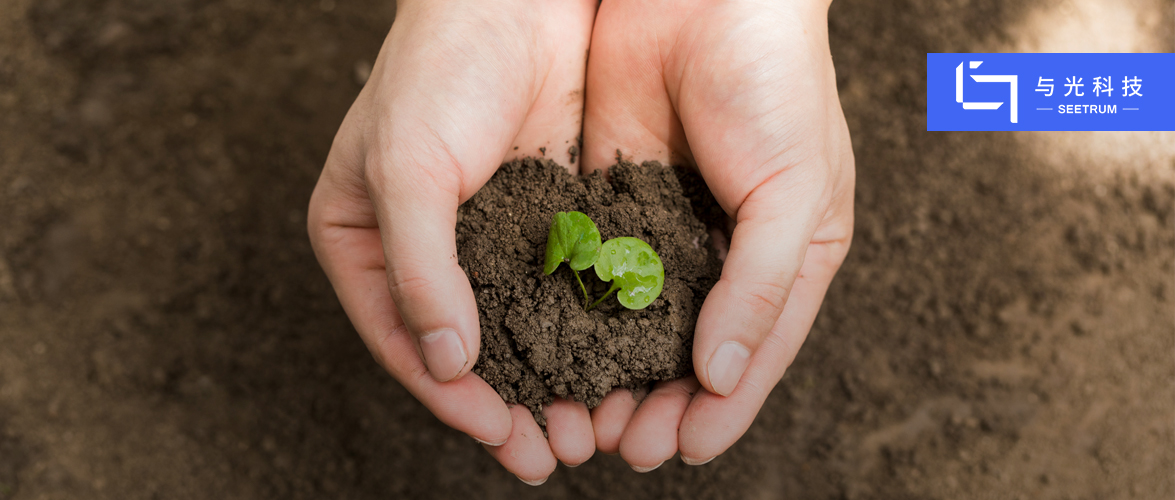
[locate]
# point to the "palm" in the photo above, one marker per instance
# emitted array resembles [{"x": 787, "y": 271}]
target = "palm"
[{"x": 745, "y": 93}]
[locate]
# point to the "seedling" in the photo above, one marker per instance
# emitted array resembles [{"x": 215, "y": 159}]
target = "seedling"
[
  {"x": 634, "y": 268},
  {"x": 630, "y": 264},
  {"x": 573, "y": 239}
]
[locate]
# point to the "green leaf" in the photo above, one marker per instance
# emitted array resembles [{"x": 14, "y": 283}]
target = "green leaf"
[
  {"x": 573, "y": 239},
  {"x": 636, "y": 268}
]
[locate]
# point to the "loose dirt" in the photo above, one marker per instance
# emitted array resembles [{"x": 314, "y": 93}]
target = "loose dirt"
[{"x": 537, "y": 340}]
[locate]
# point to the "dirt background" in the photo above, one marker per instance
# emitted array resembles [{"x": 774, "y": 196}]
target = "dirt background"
[{"x": 1003, "y": 327}]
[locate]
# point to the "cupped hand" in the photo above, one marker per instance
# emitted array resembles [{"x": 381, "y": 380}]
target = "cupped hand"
[
  {"x": 458, "y": 87},
  {"x": 744, "y": 91}
]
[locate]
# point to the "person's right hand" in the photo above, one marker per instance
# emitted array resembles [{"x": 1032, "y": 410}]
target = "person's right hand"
[
  {"x": 459, "y": 87},
  {"x": 744, "y": 90}
]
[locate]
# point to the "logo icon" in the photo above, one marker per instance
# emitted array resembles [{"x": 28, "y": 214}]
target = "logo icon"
[{"x": 1011, "y": 80}]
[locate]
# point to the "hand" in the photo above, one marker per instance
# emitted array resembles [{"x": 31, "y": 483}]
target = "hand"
[
  {"x": 459, "y": 87},
  {"x": 746, "y": 92}
]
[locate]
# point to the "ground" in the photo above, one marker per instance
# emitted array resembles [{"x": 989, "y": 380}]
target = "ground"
[{"x": 1003, "y": 326}]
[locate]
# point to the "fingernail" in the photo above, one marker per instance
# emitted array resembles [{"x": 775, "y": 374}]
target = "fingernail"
[
  {"x": 444, "y": 354},
  {"x": 572, "y": 466},
  {"x": 533, "y": 483},
  {"x": 643, "y": 470},
  {"x": 487, "y": 443},
  {"x": 727, "y": 365},
  {"x": 690, "y": 461}
]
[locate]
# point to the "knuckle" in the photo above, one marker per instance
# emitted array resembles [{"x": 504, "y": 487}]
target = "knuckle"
[
  {"x": 406, "y": 284},
  {"x": 386, "y": 353},
  {"x": 417, "y": 374},
  {"x": 776, "y": 342},
  {"x": 382, "y": 348},
  {"x": 754, "y": 386},
  {"x": 764, "y": 298},
  {"x": 415, "y": 168},
  {"x": 680, "y": 391}
]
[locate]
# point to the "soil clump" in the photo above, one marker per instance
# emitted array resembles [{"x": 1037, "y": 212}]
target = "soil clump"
[{"x": 537, "y": 340}]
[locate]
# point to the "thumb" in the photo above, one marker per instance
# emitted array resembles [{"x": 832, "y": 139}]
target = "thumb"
[
  {"x": 774, "y": 226},
  {"x": 416, "y": 206}
]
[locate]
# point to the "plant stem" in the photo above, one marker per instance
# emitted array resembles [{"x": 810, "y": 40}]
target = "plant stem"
[
  {"x": 615, "y": 286},
  {"x": 581, "y": 287}
]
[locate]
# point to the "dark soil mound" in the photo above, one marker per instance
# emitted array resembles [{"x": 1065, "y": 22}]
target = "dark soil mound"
[{"x": 537, "y": 341}]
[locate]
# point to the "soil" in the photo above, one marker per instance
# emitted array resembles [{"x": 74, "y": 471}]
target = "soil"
[
  {"x": 537, "y": 340},
  {"x": 1002, "y": 328}
]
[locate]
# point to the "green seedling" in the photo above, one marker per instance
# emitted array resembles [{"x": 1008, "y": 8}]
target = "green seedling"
[
  {"x": 630, "y": 264},
  {"x": 573, "y": 239},
  {"x": 634, "y": 269}
]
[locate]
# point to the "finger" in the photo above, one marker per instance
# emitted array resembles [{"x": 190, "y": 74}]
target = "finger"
[
  {"x": 417, "y": 217},
  {"x": 773, "y": 228},
  {"x": 610, "y": 418},
  {"x": 569, "y": 431},
  {"x": 353, "y": 261},
  {"x": 651, "y": 435},
  {"x": 712, "y": 423},
  {"x": 555, "y": 122},
  {"x": 526, "y": 453},
  {"x": 627, "y": 107},
  {"x": 419, "y": 164}
]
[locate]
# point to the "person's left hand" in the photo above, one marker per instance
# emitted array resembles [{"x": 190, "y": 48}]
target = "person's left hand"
[
  {"x": 459, "y": 87},
  {"x": 745, "y": 91}
]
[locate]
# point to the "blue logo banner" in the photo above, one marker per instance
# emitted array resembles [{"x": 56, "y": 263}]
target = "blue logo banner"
[{"x": 1050, "y": 92}]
